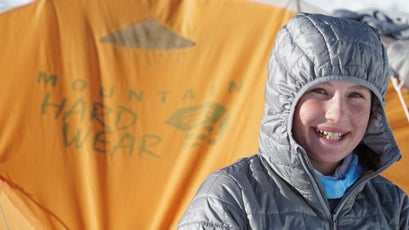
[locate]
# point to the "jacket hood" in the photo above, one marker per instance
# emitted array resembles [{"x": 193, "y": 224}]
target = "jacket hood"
[{"x": 309, "y": 50}]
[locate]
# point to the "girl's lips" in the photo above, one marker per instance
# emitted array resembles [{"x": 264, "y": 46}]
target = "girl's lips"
[{"x": 329, "y": 135}]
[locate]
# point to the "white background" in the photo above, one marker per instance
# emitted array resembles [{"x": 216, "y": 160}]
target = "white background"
[{"x": 356, "y": 5}]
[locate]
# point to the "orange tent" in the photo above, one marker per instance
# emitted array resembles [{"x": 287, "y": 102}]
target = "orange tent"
[{"x": 113, "y": 112}]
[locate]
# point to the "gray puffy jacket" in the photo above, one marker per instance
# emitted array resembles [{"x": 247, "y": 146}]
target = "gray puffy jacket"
[{"x": 277, "y": 188}]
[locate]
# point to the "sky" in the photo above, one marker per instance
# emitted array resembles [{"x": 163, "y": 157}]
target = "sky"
[{"x": 356, "y": 5}]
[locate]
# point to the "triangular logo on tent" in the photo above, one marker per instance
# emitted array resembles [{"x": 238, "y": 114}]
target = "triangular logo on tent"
[{"x": 148, "y": 34}]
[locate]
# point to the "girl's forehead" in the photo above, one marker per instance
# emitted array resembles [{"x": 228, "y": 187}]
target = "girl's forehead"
[{"x": 342, "y": 84}]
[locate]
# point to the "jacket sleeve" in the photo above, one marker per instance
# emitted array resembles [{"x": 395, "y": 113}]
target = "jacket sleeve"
[
  {"x": 404, "y": 218},
  {"x": 218, "y": 204}
]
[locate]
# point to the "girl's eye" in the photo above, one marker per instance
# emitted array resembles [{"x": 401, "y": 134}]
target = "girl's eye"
[
  {"x": 356, "y": 95},
  {"x": 319, "y": 91}
]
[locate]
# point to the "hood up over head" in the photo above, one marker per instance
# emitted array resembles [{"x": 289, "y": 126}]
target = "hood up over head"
[{"x": 309, "y": 50}]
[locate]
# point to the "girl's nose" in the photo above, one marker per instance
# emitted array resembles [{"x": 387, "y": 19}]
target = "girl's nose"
[{"x": 335, "y": 109}]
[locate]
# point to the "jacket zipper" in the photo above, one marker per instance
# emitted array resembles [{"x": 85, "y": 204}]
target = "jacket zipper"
[
  {"x": 334, "y": 222},
  {"x": 330, "y": 217}
]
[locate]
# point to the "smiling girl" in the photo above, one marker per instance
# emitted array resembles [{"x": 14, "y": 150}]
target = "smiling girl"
[{"x": 324, "y": 140}]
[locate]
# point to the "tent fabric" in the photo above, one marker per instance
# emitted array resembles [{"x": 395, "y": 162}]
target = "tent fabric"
[
  {"x": 399, "y": 172},
  {"x": 14, "y": 214},
  {"x": 114, "y": 112}
]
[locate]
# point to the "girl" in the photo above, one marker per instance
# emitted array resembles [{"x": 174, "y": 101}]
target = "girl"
[{"x": 324, "y": 140}]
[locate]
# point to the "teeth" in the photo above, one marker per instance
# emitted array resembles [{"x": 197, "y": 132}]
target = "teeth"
[{"x": 330, "y": 135}]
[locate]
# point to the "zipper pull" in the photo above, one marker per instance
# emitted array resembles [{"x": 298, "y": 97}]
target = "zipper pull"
[{"x": 334, "y": 222}]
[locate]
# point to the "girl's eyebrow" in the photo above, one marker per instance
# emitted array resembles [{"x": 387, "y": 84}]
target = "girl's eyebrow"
[
  {"x": 323, "y": 83},
  {"x": 360, "y": 87},
  {"x": 355, "y": 86}
]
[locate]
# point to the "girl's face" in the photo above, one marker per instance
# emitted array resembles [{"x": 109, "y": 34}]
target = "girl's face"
[{"x": 330, "y": 120}]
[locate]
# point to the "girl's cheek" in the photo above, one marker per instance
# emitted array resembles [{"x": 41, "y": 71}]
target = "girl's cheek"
[{"x": 361, "y": 110}]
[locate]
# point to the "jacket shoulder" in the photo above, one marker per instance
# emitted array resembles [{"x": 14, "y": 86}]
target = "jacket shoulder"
[
  {"x": 384, "y": 186},
  {"x": 219, "y": 201},
  {"x": 393, "y": 200}
]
